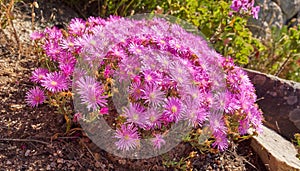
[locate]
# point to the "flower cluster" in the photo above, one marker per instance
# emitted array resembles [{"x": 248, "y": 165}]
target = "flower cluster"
[
  {"x": 169, "y": 75},
  {"x": 245, "y": 6}
]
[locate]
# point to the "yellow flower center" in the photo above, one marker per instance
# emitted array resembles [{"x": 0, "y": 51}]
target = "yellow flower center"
[
  {"x": 138, "y": 50},
  {"x": 152, "y": 118},
  {"x": 148, "y": 78},
  {"x": 54, "y": 83},
  {"x": 135, "y": 117},
  {"x": 126, "y": 137},
  {"x": 174, "y": 109},
  {"x": 37, "y": 98}
]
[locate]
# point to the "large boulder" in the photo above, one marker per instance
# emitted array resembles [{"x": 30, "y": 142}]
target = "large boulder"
[
  {"x": 273, "y": 13},
  {"x": 280, "y": 102},
  {"x": 289, "y": 8}
]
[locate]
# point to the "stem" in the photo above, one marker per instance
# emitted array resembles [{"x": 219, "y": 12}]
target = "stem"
[
  {"x": 283, "y": 65},
  {"x": 24, "y": 140}
]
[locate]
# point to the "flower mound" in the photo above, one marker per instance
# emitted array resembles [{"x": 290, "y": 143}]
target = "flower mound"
[{"x": 162, "y": 73}]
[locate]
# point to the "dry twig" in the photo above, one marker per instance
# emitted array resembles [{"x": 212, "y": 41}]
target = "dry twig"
[{"x": 23, "y": 140}]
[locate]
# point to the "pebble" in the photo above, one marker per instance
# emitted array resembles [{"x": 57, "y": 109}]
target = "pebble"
[
  {"x": 8, "y": 162},
  {"x": 97, "y": 164},
  {"x": 48, "y": 167},
  {"x": 60, "y": 160},
  {"x": 72, "y": 168},
  {"x": 27, "y": 153},
  {"x": 53, "y": 164}
]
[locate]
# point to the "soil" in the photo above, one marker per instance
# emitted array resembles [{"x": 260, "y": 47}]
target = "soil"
[{"x": 34, "y": 139}]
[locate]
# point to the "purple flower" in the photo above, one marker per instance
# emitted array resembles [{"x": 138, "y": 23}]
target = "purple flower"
[
  {"x": 128, "y": 137},
  {"x": 77, "y": 117},
  {"x": 36, "y": 35},
  {"x": 136, "y": 90},
  {"x": 52, "y": 49},
  {"x": 236, "y": 5},
  {"x": 95, "y": 21},
  {"x": 67, "y": 63},
  {"x": 152, "y": 118},
  {"x": 35, "y": 96},
  {"x": 91, "y": 93},
  {"x": 150, "y": 76},
  {"x": 179, "y": 73},
  {"x": 53, "y": 33},
  {"x": 55, "y": 82},
  {"x": 216, "y": 122},
  {"x": 244, "y": 126},
  {"x": 103, "y": 111},
  {"x": 221, "y": 141},
  {"x": 77, "y": 26},
  {"x": 135, "y": 114},
  {"x": 153, "y": 95},
  {"x": 255, "y": 11},
  {"x": 194, "y": 113},
  {"x": 172, "y": 111},
  {"x": 38, "y": 74},
  {"x": 135, "y": 49},
  {"x": 158, "y": 141}
]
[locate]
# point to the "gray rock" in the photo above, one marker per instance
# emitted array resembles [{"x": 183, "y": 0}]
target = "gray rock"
[
  {"x": 277, "y": 153},
  {"x": 289, "y": 7},
  {"x": 279, "y": 100},
  {"x": 270, "y": 15},
  {"x": 273, "y": 13}
]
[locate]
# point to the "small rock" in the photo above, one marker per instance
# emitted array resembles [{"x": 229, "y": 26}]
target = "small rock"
[
  {"x": 8, "y": 162},
  {"x": 27, "y": 153},
  {"x": 59, "y": 153},
  {"x": 97, "y": 164},
  {"x": 60, "y": 160},
  {"x": 275, "y": 151},
  {"x": 72, "y": 168},
  {"x": 53, "y": 164},
  {"x": 48, "y": 167},
  {"x": 69, "y": 164}
]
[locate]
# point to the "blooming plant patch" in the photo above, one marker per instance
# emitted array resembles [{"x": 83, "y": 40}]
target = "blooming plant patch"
[{"x": 140, "y": 84}]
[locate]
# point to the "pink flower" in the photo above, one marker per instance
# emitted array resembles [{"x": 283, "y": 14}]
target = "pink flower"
[
  {"x": 194, "y": 113},
  {"x": 255, "y": 11},
  {"x": 135, "y": 114},
  {"x": 158, "y": 141},
  {"x": 128, "y": 137},
  {"x": 172, "y": 111},
  {"x": 236, "y": 5},
  {"x": 38, "y": 74},
  {"x": 221, "y": 141},
  {"x": 35, "y": 96},
  {"x": 91, "y": 93},
  {"x": 135, "y": 49},
  {"x": 67, "y": 63},
  {"x": 77, "y": 117},
  {"x": 77, "y": 26},
  {"x": 153, "y": 95},
  {"x": 36, "y": 35},
  {"x": 103, "y": 111},
  {"x": 55, "y": 82},
  {"x": 153, "y": 118},
  {"x": 136, "y": 90}
]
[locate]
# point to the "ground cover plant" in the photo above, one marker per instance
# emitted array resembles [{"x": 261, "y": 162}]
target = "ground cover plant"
[{"x": 170, "y": 74}]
